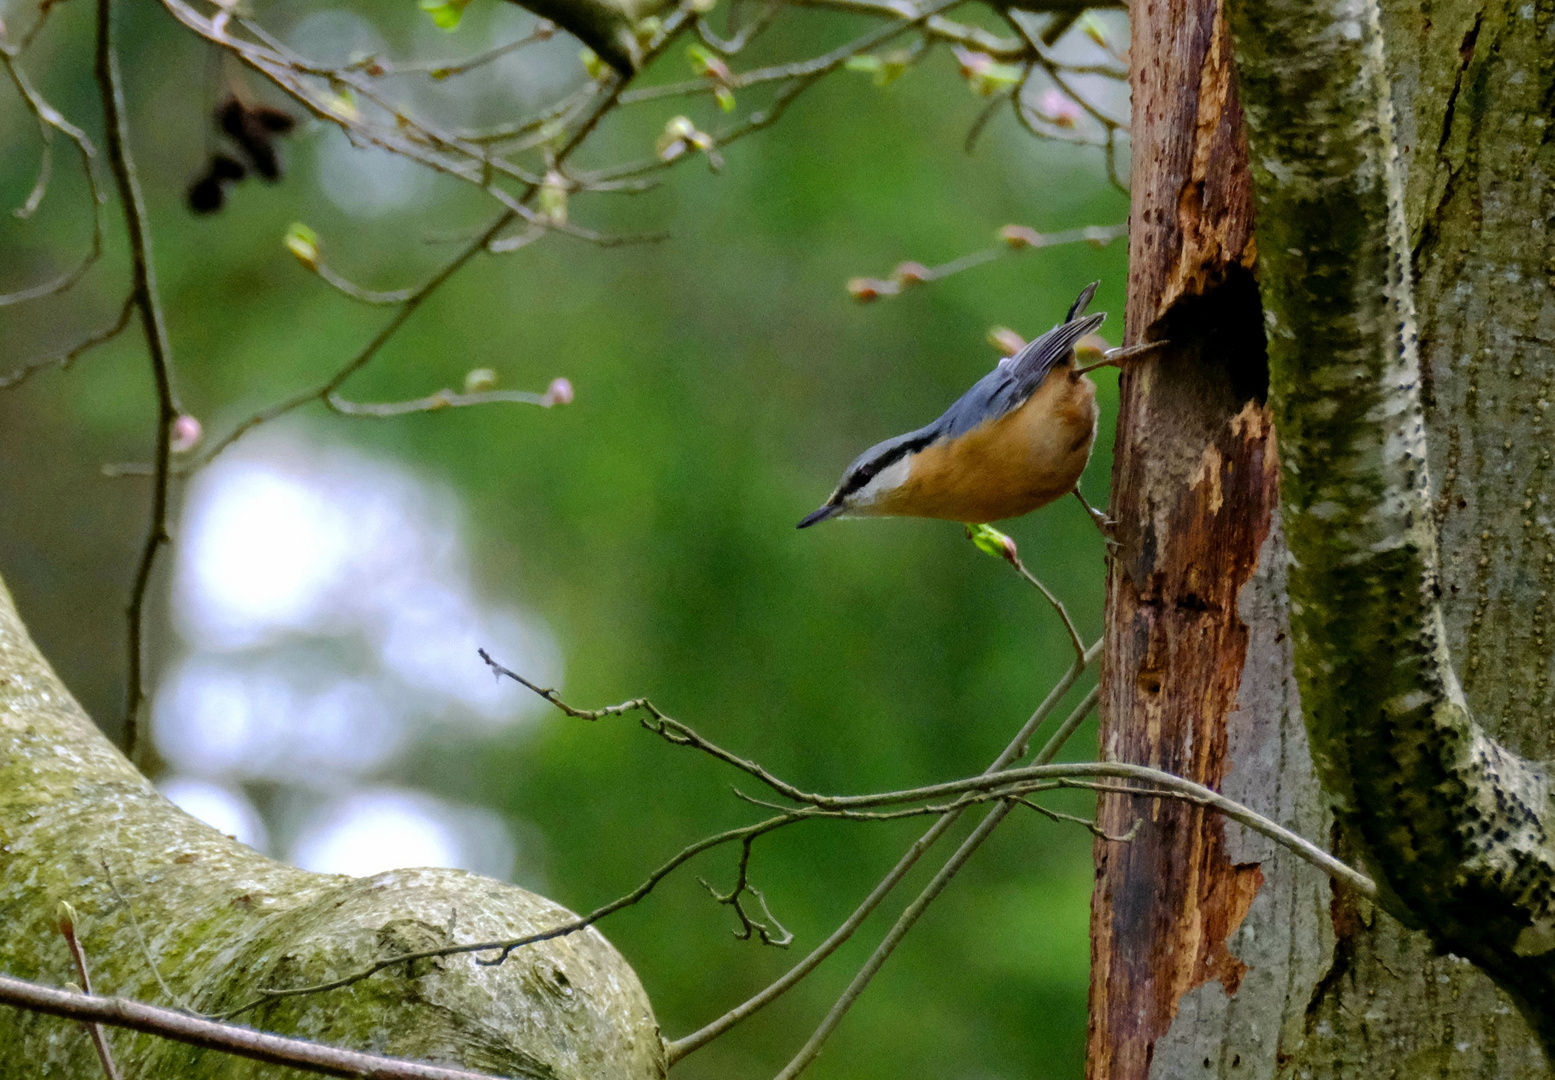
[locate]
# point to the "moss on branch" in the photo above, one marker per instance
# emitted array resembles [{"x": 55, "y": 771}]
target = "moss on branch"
[
  {"x": 1455, "y": 824},
  {"x": 221, "y": 922}
]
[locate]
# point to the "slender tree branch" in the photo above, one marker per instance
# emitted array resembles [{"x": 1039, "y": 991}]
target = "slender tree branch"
[
  {"x": 679, "y": 1048},
  {"x": 50, "y": 119},
  {"x": 443, "y": 399},
  {"x": 899, "y": 930},
  {"x": 67, "y": 929},
  {"x": 488, "y": 238},
  {"x": 63, "y": 360},
  {"x": 144, "y": 292},
  {"x": 226, "y": 1038}
]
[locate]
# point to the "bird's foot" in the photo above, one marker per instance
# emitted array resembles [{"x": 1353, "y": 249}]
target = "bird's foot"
[{"x": 1104, "y": 524}]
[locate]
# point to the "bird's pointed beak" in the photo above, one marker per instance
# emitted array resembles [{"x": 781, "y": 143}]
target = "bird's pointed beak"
[{"x": 830, "y": 510}]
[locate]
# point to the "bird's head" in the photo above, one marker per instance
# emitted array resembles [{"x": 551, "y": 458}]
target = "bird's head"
[{"x": 868, "y": 484}]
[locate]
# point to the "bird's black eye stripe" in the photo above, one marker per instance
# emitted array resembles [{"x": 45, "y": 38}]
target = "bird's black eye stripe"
[{"x": 862, "y": 474}]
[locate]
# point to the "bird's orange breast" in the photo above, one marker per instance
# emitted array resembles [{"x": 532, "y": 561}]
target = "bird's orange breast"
[{"x": 1008, "y": 466}]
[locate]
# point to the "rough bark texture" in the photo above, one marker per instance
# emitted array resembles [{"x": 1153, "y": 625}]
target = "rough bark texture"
[
  {"x": 1326, "y": 988},
  {"x": 1195, "y": 483},
  {"x": 221, "y": 921}
]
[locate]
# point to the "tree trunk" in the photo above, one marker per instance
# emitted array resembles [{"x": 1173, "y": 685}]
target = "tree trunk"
[
  {"x": 1215, "y": 954},
  {"x": 79, "y": 824}
]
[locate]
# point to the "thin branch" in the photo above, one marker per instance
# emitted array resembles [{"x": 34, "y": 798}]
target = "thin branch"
[
  {"x": 443, "y": 399},
  {"x": 439, "y": 70},
  {"x": 67, "y": 929},
  {"x": 1015, "y": 238},
  {"x": 350, "y": 288},
  {"x": 144, "y": 293},
  {"x": 63, "y": 360},
  {"x": 488, "y": 239},
  {"x": 780, "y": 937},
  {"x": 503, "y": 948},
  {"x": 1090, "y": 824},
  {"x": 1058, "y": 605},
  {"x": 140, "y": 938},
  {"x": 797, "y": 76},
  {"x": 226, "y": 1038},
  {"x": 679, "y": 1048},
  {"x": 899, "y": 930},
  {"x": 49, "y": 118}
]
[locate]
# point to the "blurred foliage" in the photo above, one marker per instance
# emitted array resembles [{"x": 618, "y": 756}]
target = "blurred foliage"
[{"x": 724, "y": 378}]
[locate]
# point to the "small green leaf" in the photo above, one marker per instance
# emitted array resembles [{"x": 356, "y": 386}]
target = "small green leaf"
[
  {"x": 303, "y": 243},
  {"x": 648, "y": 30},
  {"x": 552, "y": 198},
  {"x": 990, "y": 540},
  {"x": 725, "y": 98},
  {"x": 592, "y": 64},
  {"x": 445, "y": 13},
  {"x": 65, "y": 917},
  {"x": 886, "y": 68}
]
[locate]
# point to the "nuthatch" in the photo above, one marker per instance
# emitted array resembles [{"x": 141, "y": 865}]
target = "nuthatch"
[{"x": 1018, "y": 440}]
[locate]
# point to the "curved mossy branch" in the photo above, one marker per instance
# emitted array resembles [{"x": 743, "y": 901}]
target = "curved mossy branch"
[
  {"x": 1454, "y": 824},
  {"x": 78, "y": 823}
]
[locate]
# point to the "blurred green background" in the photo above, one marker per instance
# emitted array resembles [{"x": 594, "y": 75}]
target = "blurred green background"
[{"x": 724, "y": 378}]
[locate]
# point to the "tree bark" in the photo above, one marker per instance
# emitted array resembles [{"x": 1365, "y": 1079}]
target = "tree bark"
[
  {"x": 1214, "y": 955},
  {"x": 220, "y": 922}
]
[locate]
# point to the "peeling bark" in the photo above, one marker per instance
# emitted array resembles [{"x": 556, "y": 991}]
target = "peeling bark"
[
  {"x": 1195, "y": 478},
  {"x": 222, "y": 922},
  {"x": 1332, "y": 988}
]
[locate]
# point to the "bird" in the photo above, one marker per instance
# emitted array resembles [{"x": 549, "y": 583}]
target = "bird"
[{"x": 1016, "y": 441}]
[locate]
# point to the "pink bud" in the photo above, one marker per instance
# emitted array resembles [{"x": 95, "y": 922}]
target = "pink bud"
[
  {"x": 186, "y": 434},
  {"x": 865, "y": 289},
  {"x": 1059, "y": 109},
  {"x": 911, "y": 273},
  {"x": 1010, "y": 553},
  {"x": 558, "y": 393},
  {"x": 1019, "y": 236},
  {"x": 972, "y": 63}
]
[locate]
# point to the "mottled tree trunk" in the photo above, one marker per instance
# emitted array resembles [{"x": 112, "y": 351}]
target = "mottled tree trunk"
[
  {"x": 153, "y": 886},
  {"x": 1214, "y": 953}
]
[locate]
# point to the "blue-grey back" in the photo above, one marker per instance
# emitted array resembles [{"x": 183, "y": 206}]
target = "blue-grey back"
[{"x": 1004, "y": 389}]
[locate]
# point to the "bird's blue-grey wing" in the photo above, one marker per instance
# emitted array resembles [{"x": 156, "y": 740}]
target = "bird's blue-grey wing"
[
  {"x": 1003, "y": 389},
  {"x": 1007, "y": 386}
]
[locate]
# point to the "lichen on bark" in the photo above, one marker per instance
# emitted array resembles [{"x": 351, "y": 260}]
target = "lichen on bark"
[
  {"x": 79, "y": 823},
  {"x": 1454, "y": 823}
]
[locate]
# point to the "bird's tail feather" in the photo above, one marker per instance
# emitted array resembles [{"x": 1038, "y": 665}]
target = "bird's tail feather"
[{"x": 1081, "y": 302}]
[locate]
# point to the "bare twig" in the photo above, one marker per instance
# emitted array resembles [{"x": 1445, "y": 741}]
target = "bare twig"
[
  {"x": 144, "y": 292},
  {"x": 350, "y": 288},
  {"x": 679, "y": 1048},
  {"x": 50, "y": 120},
  {"x": 899, "y": 930},
  {"x": 446, "y": 69},
  {"x": 1090, "y": 824},
  {"x": 63, "y": 360},
  {"x": 443, "y": 399},
  {"x": 67, "y": 929},
  {"x": 140, "y": 939},
  {"x": 952, "y": 866},
  {"x": 505, "y": 947},
  {"x": 1015, "y": 238},
  {"x": 769, "y": 930},
  {"x": 226, "y": 1038}
]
